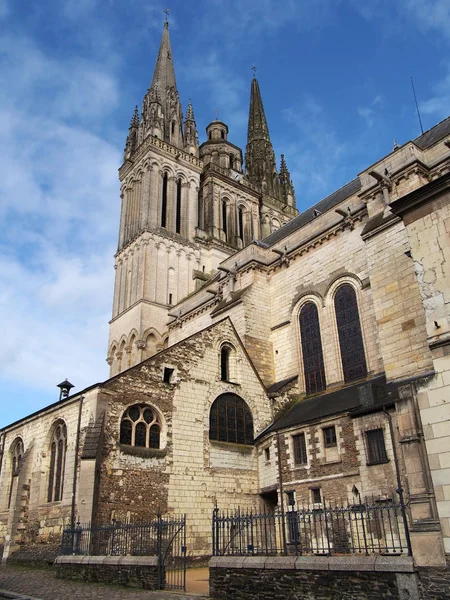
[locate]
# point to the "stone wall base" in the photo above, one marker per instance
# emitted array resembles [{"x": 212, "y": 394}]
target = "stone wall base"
[
  {"x": 132, "y": 571},
  {"x": 315, "y": 578},
  {"x": 35, "y": 555}
]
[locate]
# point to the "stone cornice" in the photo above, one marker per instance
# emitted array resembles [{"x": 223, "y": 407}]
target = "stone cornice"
[
  {"x": 423, "y": 195},
  {"x": 212, "y": 170}
]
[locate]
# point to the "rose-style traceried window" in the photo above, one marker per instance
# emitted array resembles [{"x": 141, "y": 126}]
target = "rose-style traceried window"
[{"x": 140, "y": 427}]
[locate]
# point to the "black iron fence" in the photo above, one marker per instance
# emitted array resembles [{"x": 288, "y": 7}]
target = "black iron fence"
[
  {"x": 368, "y": 527},
  {"x": 164, "y": 537}
]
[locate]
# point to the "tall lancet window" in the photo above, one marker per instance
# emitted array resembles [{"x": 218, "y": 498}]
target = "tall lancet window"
[
  {"x": 58, "y": 447},
  {"x": 164, "y": 201},
  {"x": 350, "y": 336},
  {"x": 313, "y": 366},
  {"x": 16, "y": 460},
  {"x": 224, "y": 217},
  {"x": 241, "y": 223},
  {"x": 178, "y": 215}
]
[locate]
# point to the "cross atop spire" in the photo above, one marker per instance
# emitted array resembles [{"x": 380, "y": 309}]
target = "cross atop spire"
[
  {"x": 254, "y": 71},
  {"x": 167, "y": 13}
]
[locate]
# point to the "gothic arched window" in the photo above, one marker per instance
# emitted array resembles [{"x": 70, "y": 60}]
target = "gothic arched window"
[
  {"x": 178, "y": 211},
  {"x": 230, "y": 420},
  {"x": 224, "y": 217},
  {"x": 241, "y": 223},
  {"x": 225, "y": 363},
  {"x": 164, "y": 201},
  {"x": 58, "y": 447},
  {"x": 141, "y": 427},
  {"x": 16, "y": 460},
  {"x": 350, "y": 336},
  {"x": 313, "y": 366}
]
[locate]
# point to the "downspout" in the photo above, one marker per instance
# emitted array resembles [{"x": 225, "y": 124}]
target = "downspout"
[
  {"x": 399, "y": 482},
  {"x": 75, "y": 466},
  {"x": 280, "y": 485}
]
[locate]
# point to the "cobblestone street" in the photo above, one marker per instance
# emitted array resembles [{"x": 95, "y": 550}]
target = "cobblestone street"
[{"x": 42, "y": 585}]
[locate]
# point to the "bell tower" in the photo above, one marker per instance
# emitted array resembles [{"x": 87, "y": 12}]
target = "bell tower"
[{"x": 157, "y": 254}]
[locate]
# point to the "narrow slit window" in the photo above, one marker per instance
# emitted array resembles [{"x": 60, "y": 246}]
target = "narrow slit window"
[
  {"x": 164, "y": 201},
  {"x": 300, "y": 454},
  {"x": 58, "y": 448},
  {"x": 178, "y": 212},
  {"x": 224, "y": 217}
]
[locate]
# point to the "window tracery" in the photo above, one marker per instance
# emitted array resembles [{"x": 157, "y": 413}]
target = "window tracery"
[
  {"x": 140, "y": 427},
  {"x": 58, "y": 446},
  {"x": 17, "y": 452}
]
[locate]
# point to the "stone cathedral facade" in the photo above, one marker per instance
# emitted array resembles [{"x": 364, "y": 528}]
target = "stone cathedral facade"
[{"x": 259, "y": 357}]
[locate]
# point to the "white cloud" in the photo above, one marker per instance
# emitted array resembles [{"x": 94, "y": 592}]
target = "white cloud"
[
  {"x": 370, "y": 113},
  {"x": 430, "y": 15},
  {"x": 59, "y": 206},
  {"x": 438, "y": 104}
]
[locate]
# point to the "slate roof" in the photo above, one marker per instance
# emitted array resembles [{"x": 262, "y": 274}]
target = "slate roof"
[
  {"x": 424, "y": 141},
  {"x": 279, "y": 385},
  {"x": 433, "y": 135},
  {"x": 360, "y": 398},
  {"x": 306, "y": 217}
]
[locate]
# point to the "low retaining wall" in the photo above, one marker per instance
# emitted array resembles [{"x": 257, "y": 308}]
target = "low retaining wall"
[
  {"x": 133, "y": 571},
  {"x": 315, "y": 578},
  {"x": 35, "y": 555}
]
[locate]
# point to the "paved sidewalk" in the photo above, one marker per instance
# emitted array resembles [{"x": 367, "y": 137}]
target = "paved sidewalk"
[{"x": 42, "y": 585}]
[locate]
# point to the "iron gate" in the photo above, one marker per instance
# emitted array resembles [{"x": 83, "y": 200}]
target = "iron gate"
[
  {"x": 172, "y": 554},
  {"x": 164, "y": 537}
]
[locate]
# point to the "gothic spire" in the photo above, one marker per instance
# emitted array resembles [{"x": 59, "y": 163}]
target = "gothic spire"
[
  {"x": 164, "y": 73},
  {"x": 260, "y": 157},
  {"x": 286, "y": 185},
  {"x": 132, "y": 138},
  {"x": 190, "y": 132},
  {"x": 161, "y": 109}
]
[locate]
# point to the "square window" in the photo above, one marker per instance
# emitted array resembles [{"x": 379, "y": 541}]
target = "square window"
[
  {"x": 300, "y": 454},
  {"x": 267, "y": 454},
  {"x": 316, "y": 495},
  {"x": 167, "y": 376},
  {"x": 376, "y": 449},
  {"x": 329, "y": 436}
]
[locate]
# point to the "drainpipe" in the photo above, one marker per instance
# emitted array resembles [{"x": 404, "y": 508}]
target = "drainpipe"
[
  {"x": 280, "y": 484},
  {"x": 2, "y": 451},
  {"x": 75, "y": 466},
  {"x": 399, "y": 482}
]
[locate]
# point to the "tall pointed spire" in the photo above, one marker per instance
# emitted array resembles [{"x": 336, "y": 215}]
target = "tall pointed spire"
[
  {"x": 161, "y": 109},
  {"x": 259, "y": 156},
  {"x": 190, "y": 132}
]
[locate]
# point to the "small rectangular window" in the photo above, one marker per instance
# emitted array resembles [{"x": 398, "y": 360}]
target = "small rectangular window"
[
  {"x": 376, "y": 449},
  {"x": 316, "y": 495},
  {"x": 290, "y": 498},
  {"x": 168, "y": 372},
  {"x": 267, "y": 454},
  {"x": 329, "y": 436},
  {"x": 170, "y": 299},
  {"x": 300, "y": 454}
]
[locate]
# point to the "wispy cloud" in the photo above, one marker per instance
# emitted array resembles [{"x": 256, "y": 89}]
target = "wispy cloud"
[
  {"x": 59, "y": 207},
  {"x": 369, "y": 113},
  {"x": 315, "y": 159},
  {"x": 438, "y": 104}
]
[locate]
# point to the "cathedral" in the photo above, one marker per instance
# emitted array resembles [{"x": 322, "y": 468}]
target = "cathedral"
[{"x": 258, "y": 357}]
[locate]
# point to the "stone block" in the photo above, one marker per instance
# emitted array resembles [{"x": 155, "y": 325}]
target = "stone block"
[
  {"x": 255, "y": 562},
  {"x": 280, "y": 562},
  {"x": 352, "y": 563},
  {"x": 398, "y": 564},
  {"x": 312, "y": 563}
]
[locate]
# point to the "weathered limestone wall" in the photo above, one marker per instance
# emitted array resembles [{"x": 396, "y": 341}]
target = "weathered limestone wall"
[
  {"x": 26, "y": 516},
  {"x": 189, "y": 473}
]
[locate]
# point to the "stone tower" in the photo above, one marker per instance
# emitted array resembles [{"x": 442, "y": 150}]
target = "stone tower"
[
  {"x": 185, "y": 208},
  {"x": 157, "y": 254}
]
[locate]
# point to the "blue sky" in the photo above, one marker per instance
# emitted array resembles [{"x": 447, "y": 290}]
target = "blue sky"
[{"x": 334, "y": 76}]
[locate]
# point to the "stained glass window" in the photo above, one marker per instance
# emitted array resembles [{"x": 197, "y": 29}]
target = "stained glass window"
[
  {"x": 140, "y": 427},
  {"x": 230, "y": 420},
  {"x": 313, "y": 366},
  {"x": 350, "y": 336}
]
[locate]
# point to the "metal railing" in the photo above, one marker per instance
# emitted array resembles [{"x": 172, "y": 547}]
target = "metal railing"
[
  {"x": 369, "y": 527},
  {"x": 122, "y": 539}
]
